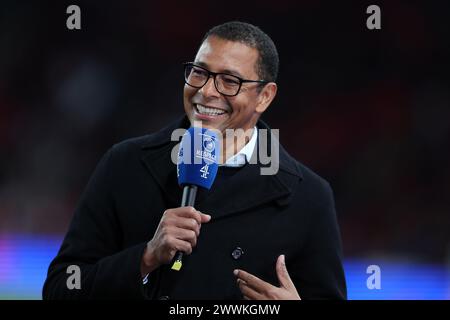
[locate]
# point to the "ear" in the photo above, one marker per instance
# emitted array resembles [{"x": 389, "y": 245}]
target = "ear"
[{"x": 266, "y": 97}]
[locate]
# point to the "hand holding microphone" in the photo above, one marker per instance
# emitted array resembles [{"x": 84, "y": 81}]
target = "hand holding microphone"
[
  {"x": 177, "y": 231},
  {"x": 179, "y": 228}
]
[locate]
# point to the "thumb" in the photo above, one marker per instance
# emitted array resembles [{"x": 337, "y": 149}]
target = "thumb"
[{"x": 282, "y": 273}]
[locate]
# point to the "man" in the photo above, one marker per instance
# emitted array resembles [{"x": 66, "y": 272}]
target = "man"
[{"x": 252, "y": 236}]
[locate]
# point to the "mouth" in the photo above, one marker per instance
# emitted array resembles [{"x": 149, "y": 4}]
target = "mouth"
[{"x": 208, "y": 111}]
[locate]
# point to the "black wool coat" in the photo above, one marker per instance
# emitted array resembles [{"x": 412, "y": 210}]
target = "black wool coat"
[{"x": 255, "y": 218}]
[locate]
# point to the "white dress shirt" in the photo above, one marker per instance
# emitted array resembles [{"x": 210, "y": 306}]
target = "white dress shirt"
[{"x": 244, "y": 155}]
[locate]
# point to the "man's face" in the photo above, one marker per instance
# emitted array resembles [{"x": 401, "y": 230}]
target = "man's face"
[{"x": 240, "y": 111}]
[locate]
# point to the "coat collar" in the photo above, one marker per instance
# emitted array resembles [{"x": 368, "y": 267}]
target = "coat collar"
[{"x": 157, "y": 149}]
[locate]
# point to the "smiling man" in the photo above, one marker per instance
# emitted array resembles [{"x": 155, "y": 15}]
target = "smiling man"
[{"x": 252, "y": 236}]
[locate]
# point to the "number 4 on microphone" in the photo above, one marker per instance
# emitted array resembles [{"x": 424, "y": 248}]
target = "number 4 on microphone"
[{"x": 204, "y": 171}]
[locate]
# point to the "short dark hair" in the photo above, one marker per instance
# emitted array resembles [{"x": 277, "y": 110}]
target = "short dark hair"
[{"x": 254, "y": 37}]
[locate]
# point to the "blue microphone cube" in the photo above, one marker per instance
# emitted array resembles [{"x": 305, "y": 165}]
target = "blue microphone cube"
[{"x": 198, "y": 157}]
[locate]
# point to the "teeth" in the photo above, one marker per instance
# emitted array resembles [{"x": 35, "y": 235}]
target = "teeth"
[{"x": 209, "y": 111}]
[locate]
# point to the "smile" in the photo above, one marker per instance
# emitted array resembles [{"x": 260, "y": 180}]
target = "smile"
[{"x": 201, "y": 109}]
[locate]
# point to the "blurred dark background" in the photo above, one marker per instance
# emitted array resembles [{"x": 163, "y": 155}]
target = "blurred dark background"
[{"x": 369, "y": 110}]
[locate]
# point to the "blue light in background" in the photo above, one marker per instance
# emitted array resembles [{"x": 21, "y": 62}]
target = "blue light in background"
[
  {"x": 399, "y": 281},
  {"x": 24, "y": 260}
]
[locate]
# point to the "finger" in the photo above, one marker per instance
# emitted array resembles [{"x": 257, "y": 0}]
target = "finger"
[
  {"x": 251, "y": 280},
  {"x": 282, "y": 273},
  {"x": 188, "y": 224},
  {"x": 185, "y": 234},
  {"x": 181, "y": 245},
  {"x": 189, "y": 212},
  {"x": 249, "y": 292},
  {"x": 205, "y": 217}
]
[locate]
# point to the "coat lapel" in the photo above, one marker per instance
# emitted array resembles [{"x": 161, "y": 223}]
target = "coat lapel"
[
  {"x": 157, "y": 151},
  {"x": 160, "y": 165},
  {"x": 245, "y": 190}
]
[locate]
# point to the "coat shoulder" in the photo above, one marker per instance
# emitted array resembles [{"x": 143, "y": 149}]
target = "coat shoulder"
[
  {"x": 136, "y": 144},
  {"x": 151, "y": 140},
  {"x": 131, "y": 144}
]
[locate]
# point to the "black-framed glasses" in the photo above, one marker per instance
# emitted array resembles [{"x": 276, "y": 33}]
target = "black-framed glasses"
[{"x": 226, "y": 84}]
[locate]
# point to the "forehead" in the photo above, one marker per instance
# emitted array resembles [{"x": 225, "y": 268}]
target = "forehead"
[{"x": 220, "y": 55}]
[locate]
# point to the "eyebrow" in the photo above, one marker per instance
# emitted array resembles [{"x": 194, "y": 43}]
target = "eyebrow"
[{"x": 228, "y": 71}]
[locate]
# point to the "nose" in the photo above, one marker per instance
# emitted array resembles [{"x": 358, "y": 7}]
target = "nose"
[{"x": 209, "y": 89}]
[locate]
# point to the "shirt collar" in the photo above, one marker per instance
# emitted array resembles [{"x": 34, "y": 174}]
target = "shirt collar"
[{"x": 244, "y": 155}]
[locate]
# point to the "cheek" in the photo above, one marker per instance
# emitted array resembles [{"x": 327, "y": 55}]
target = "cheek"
[
  {"x": 241, "y": 109},
  {"x": 187, "y": 95},
  {"x": 188, "y": 92}
]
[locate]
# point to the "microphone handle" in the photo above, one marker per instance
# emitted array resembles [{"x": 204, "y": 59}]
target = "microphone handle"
[
  {"x": 188, "y": 199},
  {"x": 189, "y": 194}
]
